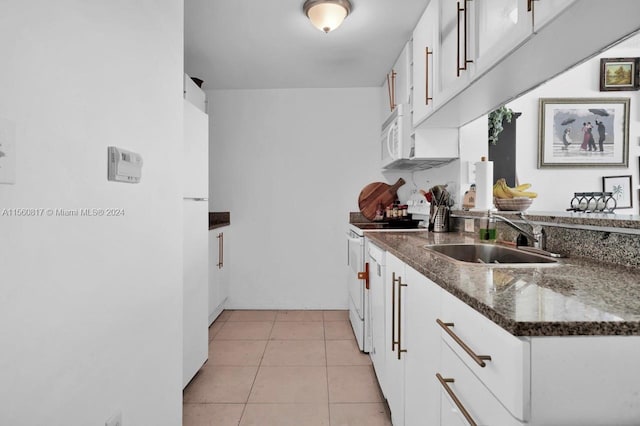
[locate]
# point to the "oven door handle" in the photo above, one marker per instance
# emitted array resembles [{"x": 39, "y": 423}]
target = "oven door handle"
[{"x": 357, "y": 240}]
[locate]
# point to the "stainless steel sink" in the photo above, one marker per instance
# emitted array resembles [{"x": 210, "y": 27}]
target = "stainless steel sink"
[{"x": 489, "y": 254}]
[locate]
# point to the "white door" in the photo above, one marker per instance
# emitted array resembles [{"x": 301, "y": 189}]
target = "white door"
[{"x": 195, "y": 287}]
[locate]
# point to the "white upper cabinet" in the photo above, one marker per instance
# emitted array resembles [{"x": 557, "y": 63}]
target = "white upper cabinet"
[
  {"x": 397, "y": 87},
  {"x": 425, "y": 67},
  {"x": 194, "y": 94},
  {"x": 544, "y": 10},
  {"x": 489, "y": 51},
  {"x": 501, "y": 26},
  {"x": 455, "y": 53}
]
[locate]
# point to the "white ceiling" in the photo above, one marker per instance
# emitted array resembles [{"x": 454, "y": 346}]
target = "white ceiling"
[{"x": 259, "y": 44}]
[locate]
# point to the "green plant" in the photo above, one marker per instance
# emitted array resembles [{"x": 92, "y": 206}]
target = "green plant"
[{"x": 495, "y": 122}]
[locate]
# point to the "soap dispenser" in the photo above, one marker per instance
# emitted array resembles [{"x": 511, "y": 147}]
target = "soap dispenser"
[{"x": 488, "y": 231}]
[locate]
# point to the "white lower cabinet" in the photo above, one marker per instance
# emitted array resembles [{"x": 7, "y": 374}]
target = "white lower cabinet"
[
  {"x": 413, "y": 348},
  {"x": 464, "y": 398},
  {"x": 446, "y": 364},
  {"x": 394, "y": 357},
  {"x": 499, "y": 359},
  {"x": 423, "y": 349},
  {"x": 377, "y": 304},
  {"x": 218, "y": 272}
]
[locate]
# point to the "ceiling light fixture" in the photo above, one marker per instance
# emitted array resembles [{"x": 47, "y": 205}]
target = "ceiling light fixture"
[{"x": 327, "y": 15}]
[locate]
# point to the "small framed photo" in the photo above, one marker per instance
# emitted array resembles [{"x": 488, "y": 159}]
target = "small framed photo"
[
  {"x": 619, "y": 74},
  {"x": 583, "y": 132},
  {"x": 620, "y": 188}
]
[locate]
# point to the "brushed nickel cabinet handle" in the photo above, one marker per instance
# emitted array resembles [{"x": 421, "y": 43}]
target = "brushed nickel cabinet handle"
[
  {"x": 400, "y": 285},
  {"x": 445, "y": 384},
  {"x": 220, "y": 250},
  {"x": 479, "y": 359},
  {"x": 427, "y": 98}
]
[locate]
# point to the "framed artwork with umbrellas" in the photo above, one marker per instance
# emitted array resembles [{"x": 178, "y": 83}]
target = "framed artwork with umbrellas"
[
  {"x": 619, "y": 74},
  {"x": 583, "y": 132}
]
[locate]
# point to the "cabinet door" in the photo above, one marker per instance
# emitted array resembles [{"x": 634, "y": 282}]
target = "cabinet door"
[
  {"x": 501, "y": 26},
  {"x": 425, "y": 38},
  {"x": 455, "y": 52},
  {"x": 377, "y": 298},
  {"x": 219, "y": 273},
  {"x": 422, "y": 395},
  {"x": 214, "y": 275},
  {"x": 223, "y": 268},
  {"x": 545, "y": 10},
  {"x": 395, "y": 332}
]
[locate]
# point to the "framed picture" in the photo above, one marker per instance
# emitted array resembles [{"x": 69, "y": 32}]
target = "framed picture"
[
  {"x": 619, "y": 74},
  {"x": 620, "y": 187},
  {"x": 583, "y": 132}
]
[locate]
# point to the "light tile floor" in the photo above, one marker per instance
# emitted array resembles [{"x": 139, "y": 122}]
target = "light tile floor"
[{"x": 284, "y": 368}]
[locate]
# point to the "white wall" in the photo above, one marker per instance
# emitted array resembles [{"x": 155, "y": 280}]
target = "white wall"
[
  {"x": 289, "y": 166},
  {"x": 91, "y": 307},
  {"x": 556, "y": 186}
]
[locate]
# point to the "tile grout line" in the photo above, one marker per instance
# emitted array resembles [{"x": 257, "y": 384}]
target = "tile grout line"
[
  {"x": 326, "y": 363},
  {"x": 244, "y": 409}
]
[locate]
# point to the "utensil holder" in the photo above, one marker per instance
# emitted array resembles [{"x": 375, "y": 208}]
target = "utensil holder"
[{"x": 441, "y": 219}]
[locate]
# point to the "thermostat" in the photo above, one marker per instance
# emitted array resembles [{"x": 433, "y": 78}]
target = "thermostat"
[{"x": 124, "y": 166}]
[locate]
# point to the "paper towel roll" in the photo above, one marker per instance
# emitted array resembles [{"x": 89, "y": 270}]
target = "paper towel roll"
[{"x": 484, "y": 185}]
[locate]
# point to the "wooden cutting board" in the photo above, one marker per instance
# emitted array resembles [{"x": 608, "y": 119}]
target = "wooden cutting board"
[{"x": 376, "y": 193}]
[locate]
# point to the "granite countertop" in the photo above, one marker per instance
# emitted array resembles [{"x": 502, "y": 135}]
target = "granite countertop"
[
  {"x": 219, "y": 219},
  {"x": 576, "y": 296}
]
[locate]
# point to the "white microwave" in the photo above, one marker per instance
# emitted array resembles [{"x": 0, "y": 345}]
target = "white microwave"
[
  {"x": 402, "y": 148},
  {"x": 396, "y": 142}
]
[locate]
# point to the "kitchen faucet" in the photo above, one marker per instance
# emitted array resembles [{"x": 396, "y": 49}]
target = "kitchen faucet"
[{"x": 537, "y": 234}]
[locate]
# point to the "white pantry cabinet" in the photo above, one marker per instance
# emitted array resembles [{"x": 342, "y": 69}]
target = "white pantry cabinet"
[{"x": 218, "y": 272}]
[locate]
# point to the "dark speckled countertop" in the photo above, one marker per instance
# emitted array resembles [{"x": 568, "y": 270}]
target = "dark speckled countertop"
[
  {"x": 576, "y": 296},
  {"x": 219, "y": 219}
]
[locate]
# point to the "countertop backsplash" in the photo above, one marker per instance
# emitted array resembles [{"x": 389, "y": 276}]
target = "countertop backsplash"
[{"x": 602, "y": 244}]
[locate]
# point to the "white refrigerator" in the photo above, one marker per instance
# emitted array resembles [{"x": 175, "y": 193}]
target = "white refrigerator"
[{"x": 195, "y": 243}]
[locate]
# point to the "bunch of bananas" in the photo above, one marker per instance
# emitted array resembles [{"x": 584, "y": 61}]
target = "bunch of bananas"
[{"x": 502, "y": 190}]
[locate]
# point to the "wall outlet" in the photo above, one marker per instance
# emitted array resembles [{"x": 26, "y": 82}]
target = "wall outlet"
[
  {"x": 468, "y": 225},
  {"x": 115, "y": 420}
]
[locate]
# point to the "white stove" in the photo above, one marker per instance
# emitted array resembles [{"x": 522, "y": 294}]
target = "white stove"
[{"x": 358, "y": 274}]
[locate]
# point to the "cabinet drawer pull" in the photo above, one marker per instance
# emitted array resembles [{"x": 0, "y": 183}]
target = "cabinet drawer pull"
[
  {"x": 427, "y": 98},
  {"x": 445, "y": 384},
  {"x": 479, "y": 359}
]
